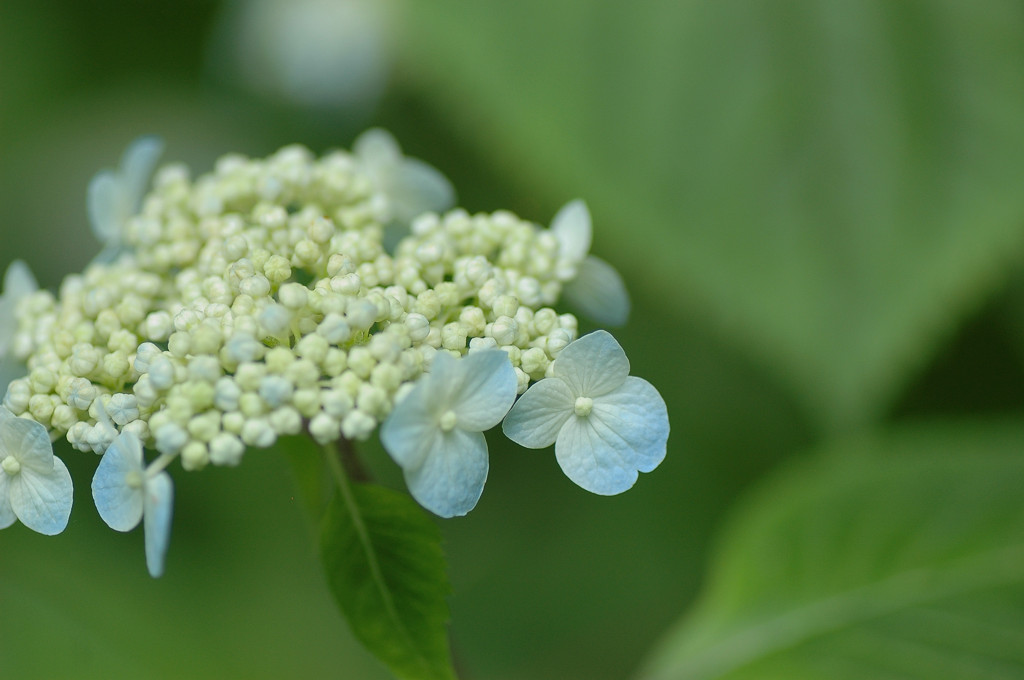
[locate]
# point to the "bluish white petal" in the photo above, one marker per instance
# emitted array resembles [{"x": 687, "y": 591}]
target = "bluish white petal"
[
  {"x": 27, "y": 441},
  {"x": 485, "y": 388},
  {"x": 18, "y": 283},
  {"x": 451, "y": 478},
  {"x": 7, "y": 516},
  {"x": 637, "y": 414},
  {"x": 538, "y": 416},
  {"x": 105, "y": 206},
  {"x": 411, "y": 186},
  {"x": 159, "y": 507},
  {"x": 593, "y": 365},
  {"x": 137, "y": 166},
  {"x": 598, "y": 292},
  {"x": 114, "y": 197},
  {"x": 604, "y": 452},
  {"x": 377, "y": 150},
  {"x": 42, "y": 501},
  {"x": 117, "y": 485},
  {"x": 418, "y": 188},
  {"x": 407, "y": 433},
  {"x": 594, "y": 458},
  {"x": 572, "y": 227}
]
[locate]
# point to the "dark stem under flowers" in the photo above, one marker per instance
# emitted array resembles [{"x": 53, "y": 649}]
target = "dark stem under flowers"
[{"x": 349, "y": 458}]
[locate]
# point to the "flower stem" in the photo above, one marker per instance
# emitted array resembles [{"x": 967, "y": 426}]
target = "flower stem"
[{"x": 350, "y": 461}]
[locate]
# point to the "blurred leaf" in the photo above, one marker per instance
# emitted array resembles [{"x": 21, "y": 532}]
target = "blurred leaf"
[
  {"x": 387, "y": 572},
  {"x": 894, "y": 557},
  {"x": 837, "y": 182}
]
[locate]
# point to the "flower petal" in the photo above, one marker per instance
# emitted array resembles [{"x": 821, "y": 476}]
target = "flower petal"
[
  {"x": 407, "y": 433},
  {"x": 19, "y": 281},
  {"x": 27, "y": 441},
  {"x": 377, "y": 149},
  {"x": 42, "y": 501},
  {"x": 418, "y": 188},
  {"x": 7, "y": 516},
  {"x": 451, "y": 479},
  {"x": 599, "y": 292},
  {"x": 137, "y": 166},
  {"x": 535, "y": 420},
  {"x": 105, "y": 207},
  {"x": 484, "y": 389},
  {"x": 593, "y": 365},
  {"x": 636, "y": 413},
  {"x": 411, "y": 186},
  {"x": 572, "y": 227},
  {"x": 120, "y": 503},
  {"x": 625, "y": 433},
  {"x": 157, "y": 521}
]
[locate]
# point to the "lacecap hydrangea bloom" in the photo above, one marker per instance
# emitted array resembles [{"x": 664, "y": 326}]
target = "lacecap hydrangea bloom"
[{"x": 260, "y": 301}]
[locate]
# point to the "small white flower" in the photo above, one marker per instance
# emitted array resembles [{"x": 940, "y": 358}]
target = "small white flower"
[
  {"x": 125, "y": 493},
  {"x": 605, "y": 424},
  {"x": 35, "y": 486},
  {"x": 116, "y": 196},
  {"x": 596, "y": 289},
  {"x": 436, "y": 432},
  {"x": 411, "y": 186}
]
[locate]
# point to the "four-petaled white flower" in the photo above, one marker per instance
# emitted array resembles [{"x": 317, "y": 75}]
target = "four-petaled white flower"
[
  {"x": 436, "y": 433},
  {"x": 411, "y": 186},
  {"x": 18, "y": 284},
  {"x": 605, "y": 424},
  {"x": 125, "y": 492},
  {"x": 596, "y": 289},
  {"x": 35, "y": 486},
  {"x": 116, "y": 196}
]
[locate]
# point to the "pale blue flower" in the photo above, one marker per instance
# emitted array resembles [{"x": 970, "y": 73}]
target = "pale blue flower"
[
  {"x": 605, "y": 424},
  {"x": 436, "y": 433},
  {"x": 595, "y": 288},
  {"x": 125, "y": 492},
  {"x": 411, "y": 186},
  {"x": 35, "y": 486},
  {"x": 116, "y": 195}
]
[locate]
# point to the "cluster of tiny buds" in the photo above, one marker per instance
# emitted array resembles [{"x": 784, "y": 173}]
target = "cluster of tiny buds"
[{"x": 259, "y": 301}]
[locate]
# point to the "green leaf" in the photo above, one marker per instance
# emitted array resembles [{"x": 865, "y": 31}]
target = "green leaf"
[
  {"x": 387, "y": 572},
  {"x": 836, "y": 183},
  {"x": 896, "y": 557}
]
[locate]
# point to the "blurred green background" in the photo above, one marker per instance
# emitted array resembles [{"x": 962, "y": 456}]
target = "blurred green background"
[{"x": 819, "y": 210}]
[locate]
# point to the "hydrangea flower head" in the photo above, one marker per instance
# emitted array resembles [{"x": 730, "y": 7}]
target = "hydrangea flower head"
[
  {"x": 35, "y": 485},
  {"x": 126, "y": 493},
  {"x": 115, "y": 196},
  {"x": 436, "y": 432},
  {"x": 260, "y": 300},
  {"x": 605, "y": 424}
]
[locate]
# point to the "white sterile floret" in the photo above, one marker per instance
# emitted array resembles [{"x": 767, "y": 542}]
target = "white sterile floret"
[
  {"x": 436, "y": 432},
  {"x": 126, "y": 492},
  {"x": 410, "y": 186},
  {"x": 605, "y": 424},
  {"x": 593, "y": 285},
  {"x": 116, "y": 196},
  {"x": 35, "y": 485}
]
